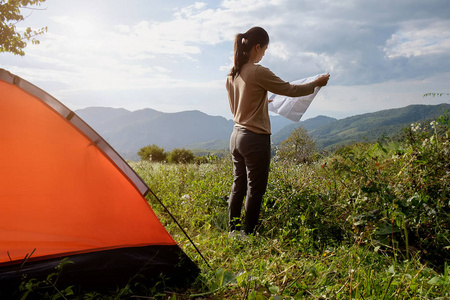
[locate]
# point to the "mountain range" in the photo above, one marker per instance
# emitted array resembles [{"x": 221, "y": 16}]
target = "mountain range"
[{"x": 128, "y": 131}]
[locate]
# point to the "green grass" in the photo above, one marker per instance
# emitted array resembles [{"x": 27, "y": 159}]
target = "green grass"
[
  {"x": 369, "y": 221},
  {"x": 314, "y": 241}
]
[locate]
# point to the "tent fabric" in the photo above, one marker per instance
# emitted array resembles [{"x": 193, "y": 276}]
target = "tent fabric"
[
  {"x": 108, "y": 268},
  {"x": 78, "y": 122},
  {"x": 64, "y": 190}
]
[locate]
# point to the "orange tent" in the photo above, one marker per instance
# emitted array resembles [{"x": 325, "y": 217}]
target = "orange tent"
[{"x": 64, "y": 192}]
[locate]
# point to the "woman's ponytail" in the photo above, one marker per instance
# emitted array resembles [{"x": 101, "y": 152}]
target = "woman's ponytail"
[
  {"x": 241, "y": 56},
  {"x": 243, "y": 43}
]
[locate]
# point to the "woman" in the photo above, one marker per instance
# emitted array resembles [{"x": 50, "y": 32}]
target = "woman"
[{"x": 247, "y": 86}]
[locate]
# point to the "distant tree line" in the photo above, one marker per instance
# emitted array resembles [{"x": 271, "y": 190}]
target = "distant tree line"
[
  {"x": 299, "y": 148},
  {"x": 177, "y": 156}
]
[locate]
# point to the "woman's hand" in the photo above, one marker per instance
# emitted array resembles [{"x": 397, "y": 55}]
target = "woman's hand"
[{"x": 322, "y": 80}]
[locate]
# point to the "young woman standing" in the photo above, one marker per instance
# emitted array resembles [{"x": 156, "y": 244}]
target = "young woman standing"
[{"x": 247, "y": 85}]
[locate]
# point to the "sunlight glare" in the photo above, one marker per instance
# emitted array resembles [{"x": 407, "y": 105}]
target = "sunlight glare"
[{"x": 84, "y": 28}]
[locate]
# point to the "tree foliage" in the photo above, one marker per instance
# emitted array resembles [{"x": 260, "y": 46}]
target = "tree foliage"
[
  {"x": 181, "y": 156},
  {"x": 436, "y": 94},
  {"x": 11, "y": 40},
  {"x": 152, "y": 153},
  {"x": 299, "y": 147}
]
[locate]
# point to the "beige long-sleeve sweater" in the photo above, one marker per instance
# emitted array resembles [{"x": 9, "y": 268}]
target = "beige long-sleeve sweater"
[{"x": 247, "y": 94}]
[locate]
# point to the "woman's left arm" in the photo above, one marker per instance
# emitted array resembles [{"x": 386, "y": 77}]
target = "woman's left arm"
[{"x": 272, "y": 83}]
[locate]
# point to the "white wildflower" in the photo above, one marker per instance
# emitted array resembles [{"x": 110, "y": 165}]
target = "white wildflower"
[{"x": 415, "y": 127}]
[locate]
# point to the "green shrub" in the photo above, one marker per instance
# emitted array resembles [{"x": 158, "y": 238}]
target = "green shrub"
[
  {"x": 181, "y": 156},
  {"x": 299, "y": 147},
  {"x": 152, "y": 153}
]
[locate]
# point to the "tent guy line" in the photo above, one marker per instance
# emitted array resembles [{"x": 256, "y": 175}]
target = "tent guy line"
[{"x": 181, "y": 227}]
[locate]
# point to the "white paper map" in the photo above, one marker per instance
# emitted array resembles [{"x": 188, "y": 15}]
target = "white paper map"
[{"x": 293, "y": 108}]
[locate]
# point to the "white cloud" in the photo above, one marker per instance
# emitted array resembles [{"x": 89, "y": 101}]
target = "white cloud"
[
  {"x": 344, "y": 101},
  {"x": 190, "y": 10},
  {"x": 247, "y": 6},
  {"x": 419, "y": 38},
  {"x": 279, "y": 50},
  {"x": 368, "y": 49}
]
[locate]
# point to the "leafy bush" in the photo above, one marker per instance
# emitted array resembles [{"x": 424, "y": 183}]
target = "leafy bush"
[
  {"x": 181, "y": 156},
  {"x": 152, "y": 153},
  {"x": 299, "y": 147}
]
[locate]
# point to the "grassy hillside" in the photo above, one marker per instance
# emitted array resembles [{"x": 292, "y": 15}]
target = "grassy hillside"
[{"x": 370, "y": 221}]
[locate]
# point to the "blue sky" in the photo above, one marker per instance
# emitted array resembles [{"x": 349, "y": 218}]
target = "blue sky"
[{"x": 174, "y": 55}]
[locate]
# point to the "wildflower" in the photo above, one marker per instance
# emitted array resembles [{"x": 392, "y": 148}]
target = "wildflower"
[
  {"x": 415, "y": 127},
  {"x": 432, "y": 212}
]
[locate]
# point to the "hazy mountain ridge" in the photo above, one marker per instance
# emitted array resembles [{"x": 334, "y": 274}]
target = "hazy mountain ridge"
[
  {"x": 372, "y": 126},
  {"x": 128, "y": 131}
]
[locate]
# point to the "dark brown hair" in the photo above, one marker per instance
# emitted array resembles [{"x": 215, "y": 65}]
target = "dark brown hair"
[{"x": 243, "y": 43}]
